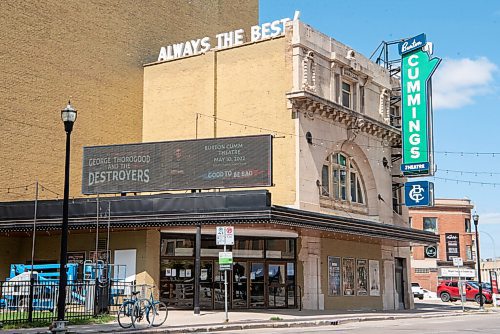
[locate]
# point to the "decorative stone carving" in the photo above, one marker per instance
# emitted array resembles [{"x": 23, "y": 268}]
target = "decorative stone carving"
[
  {"x": 384, "y": 106},
  {"x": 309, "y": 72}
]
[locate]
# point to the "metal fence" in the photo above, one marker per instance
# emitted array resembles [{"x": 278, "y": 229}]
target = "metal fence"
[{"x": 83, "y": 300}]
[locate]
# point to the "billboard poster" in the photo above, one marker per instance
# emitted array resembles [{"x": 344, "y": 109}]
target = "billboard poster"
[
  {"x": 374, "y": 267},
  {"x": 348, "y": 267},
  {"x": 361, "y": 277},
  {"x": 417, "y": 67},
  {"x": 231, "y": 162},
  {"x": 452, "y": 246},
  {"x": 334, "y": 276}
]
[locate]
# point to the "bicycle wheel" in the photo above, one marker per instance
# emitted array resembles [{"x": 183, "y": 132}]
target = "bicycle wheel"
[
  {"x": 160, "y": 311},
  {"x": 125, "y": 315},
  {"x": 142, "y": 316}
]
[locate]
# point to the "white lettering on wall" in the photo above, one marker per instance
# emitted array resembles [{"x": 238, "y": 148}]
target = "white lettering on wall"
[{"x": 224, "y": 40}]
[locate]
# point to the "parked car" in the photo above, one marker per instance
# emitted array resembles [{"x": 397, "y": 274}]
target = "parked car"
[
  {"x": 418, "y": 292},
  {"x": 449, "y": 291},
  {"x": 485, "y": 285}
]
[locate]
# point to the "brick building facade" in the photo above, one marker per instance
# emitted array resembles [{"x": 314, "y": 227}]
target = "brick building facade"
[
  {"x": 451, "y": 219},
  {"x": 91, "y": 52}
]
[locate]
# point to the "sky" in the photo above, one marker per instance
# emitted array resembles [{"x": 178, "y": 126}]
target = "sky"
[{"x": 466, "y": 85}]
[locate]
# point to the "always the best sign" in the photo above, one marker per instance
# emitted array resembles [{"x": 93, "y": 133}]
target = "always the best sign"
[{"x": 223, "y": 40}]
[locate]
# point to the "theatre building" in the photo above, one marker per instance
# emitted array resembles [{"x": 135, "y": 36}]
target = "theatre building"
[{"x": 325, "y": 229}]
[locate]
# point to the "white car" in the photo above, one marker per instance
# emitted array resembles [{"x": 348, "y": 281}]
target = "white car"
[{"x": 418, "y": 292}]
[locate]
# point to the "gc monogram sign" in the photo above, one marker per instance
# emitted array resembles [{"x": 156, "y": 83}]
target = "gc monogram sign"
[{"x": 416, "y": 70}]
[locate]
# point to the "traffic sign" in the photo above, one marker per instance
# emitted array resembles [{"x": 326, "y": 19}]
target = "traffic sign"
[
  {"x": 224, "y": 235},
  {"x": 457, "y": 261},
  {"x": 225, "y": 260}
]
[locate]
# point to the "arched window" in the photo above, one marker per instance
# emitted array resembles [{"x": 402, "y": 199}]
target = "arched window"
[{"x": 341, "y": 179}]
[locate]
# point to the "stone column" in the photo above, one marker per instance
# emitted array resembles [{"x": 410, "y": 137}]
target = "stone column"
[
  {"x": 310, "y": 256},
  {"x": 389, "y": 295}
]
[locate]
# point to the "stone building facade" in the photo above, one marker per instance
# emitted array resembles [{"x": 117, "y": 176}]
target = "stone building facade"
[{"x": 329, "y": 110}]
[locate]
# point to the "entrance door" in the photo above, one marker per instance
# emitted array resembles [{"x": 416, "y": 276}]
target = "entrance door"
[
  {"x": 240, "y": 285},
  {"x": 290, "y": 284},
  {"x": 206, "y": 285},
  {"x": 400, "y": 284},
  {"x": 277, "y": 296},
  {"x": 257, "y": 276},
  {"x": 218, "y": 291}
]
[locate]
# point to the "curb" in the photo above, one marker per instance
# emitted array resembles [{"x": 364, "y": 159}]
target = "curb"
[{"x": 287, "y": 323}]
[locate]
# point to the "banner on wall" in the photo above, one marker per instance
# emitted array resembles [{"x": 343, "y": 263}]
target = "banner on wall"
[
  {"x": 348, "y": 266},
  {"x": 374, "y": 268},
  {"x": 334, "y": 276},
  {"x": 361, "y": 277},
  {"x": 452, "y": 245},
  {"x": 231, "y": 162}
]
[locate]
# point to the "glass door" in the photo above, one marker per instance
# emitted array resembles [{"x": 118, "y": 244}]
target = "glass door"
[
  {"x": 290, "y": 284},
  {"x": 276, "y": 279},
  {"x": 176, "y": 281},
  {"x": 257, "y": 276},
  {"x": 240, "y": 285},
  {"x": 206, "y": 285},
  {"x": 218, "y": 290}
]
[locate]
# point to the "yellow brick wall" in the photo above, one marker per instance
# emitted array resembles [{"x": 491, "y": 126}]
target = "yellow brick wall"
[
  {"x": 93, "y": 52},
  {"x": 146, "y": 242},
  {"x": 231, "y": 92},
  {"x": 10, "y": 252}
]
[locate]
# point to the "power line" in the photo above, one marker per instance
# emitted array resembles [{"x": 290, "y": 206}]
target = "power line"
[
  {"x": 24, "y": 123},
  {"x": 49, "y": 190},
  {"x": 468, "y": 172},
  {"x": 494, "y": 184},
  {"x": 460, "y": 153}
]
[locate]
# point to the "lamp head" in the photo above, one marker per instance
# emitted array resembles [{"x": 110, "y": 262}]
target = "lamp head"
[
  {"x": 68, "y": 116},
  {"x": 475, "y": 218}
]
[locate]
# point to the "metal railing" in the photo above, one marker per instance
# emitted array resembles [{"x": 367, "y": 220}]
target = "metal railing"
[{"x": 84, "y": 299}]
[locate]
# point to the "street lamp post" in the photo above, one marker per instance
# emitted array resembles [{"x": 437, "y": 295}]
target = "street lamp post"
[
  {"x": 478, "y": 259},
  {"x": 68, "y": 116}
]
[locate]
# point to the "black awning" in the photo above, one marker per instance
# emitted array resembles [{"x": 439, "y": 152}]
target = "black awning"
[{"x": 238, "y": 207}]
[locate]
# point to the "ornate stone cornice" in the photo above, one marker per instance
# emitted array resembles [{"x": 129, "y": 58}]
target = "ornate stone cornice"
[{"x": 314, "y": 106}]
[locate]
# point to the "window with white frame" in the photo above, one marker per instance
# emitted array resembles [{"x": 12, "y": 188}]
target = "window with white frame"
[
  {"x": 430, "y": 224},
  {"x": 346, "y": 94},
  {"x": 341, "y": 179}
]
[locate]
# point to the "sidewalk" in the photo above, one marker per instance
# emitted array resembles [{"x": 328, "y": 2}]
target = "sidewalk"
[{"x": 183, "y": 321}]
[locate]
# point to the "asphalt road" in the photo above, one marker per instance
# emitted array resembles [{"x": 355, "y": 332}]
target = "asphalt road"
[{"x": 477, "y": 323}]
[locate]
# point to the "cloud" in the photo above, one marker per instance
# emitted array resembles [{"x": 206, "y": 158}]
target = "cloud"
[
  {"x": 458, "y": 81},
  {"x": 489, "y": 219}
]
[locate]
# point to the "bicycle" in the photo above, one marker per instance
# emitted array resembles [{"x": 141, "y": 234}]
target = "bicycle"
[
  {"x": 159, "y": 311},
  {"x": 133, "y": 311}
]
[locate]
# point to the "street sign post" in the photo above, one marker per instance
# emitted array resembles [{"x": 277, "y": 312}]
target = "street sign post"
[
  {"x": 225, "y": 260},
  {"x": 458, "y": 262},
  {"x": 224, "y": 235}
]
